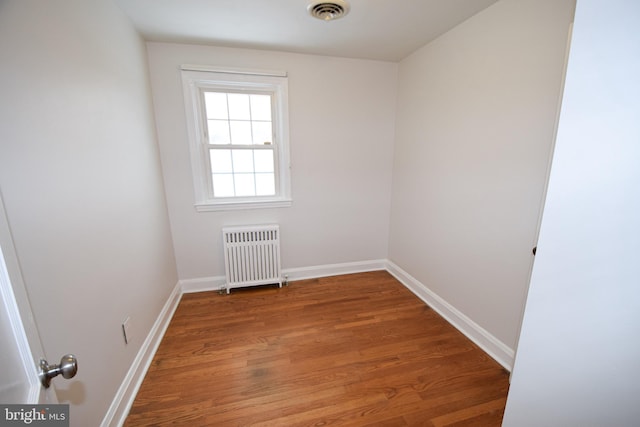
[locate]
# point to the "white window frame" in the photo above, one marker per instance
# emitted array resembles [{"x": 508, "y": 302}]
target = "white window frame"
[{"x": 195, "y": 79}]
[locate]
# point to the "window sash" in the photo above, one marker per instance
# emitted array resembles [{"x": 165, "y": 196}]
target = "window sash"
[
  {"x": 275, "y": 167},
  {"x": 273, "y": 112},
  {"x": 195, "y": 83},
  {"x": 232, "y": 147}
]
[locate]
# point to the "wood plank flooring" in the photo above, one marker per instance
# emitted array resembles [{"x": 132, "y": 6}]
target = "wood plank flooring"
[{"x": 352, "y": 350}]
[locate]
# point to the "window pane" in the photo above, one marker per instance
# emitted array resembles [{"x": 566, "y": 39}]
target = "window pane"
[
  {"x": 218, "y": 132},
  {"x": 261, "y": 107},
  {"x": 222, "y": 185},
  {"x": 240, "y": 133},
  {"x": 262, "y": 133},
  {"x": 263, "y": 160},
  {"x": 220, "y": 161},
  {"x": 216, "y": 105},
  {"x": 238, "y": 139},
  {"x": 238, "y": 106},
  {"x": 245, "y": 184},
  {"x": 243, "y": 161},
  {"x": 265, "y": 184}
]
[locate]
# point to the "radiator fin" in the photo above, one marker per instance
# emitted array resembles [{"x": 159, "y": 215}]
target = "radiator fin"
[{"x": 252, "y": 255}]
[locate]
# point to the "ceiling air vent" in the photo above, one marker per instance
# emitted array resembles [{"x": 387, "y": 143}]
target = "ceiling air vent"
[{"x": 328, "y": 10}]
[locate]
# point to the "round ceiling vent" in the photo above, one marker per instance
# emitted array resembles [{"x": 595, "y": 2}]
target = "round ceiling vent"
[{"x": 328, "y": 10}]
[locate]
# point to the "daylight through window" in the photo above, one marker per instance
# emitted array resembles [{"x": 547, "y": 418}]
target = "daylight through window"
[{"x": 238, "y": 139}]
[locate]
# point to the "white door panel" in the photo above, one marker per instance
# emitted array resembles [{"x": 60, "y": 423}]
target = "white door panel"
[{"x": 21, "y": 345}]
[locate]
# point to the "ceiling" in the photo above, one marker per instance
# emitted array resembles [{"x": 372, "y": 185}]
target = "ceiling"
[{"x": 386, "y": 30}]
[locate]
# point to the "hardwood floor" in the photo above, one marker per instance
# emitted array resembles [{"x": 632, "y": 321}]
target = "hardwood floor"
[{"x": 352, "y": 350}]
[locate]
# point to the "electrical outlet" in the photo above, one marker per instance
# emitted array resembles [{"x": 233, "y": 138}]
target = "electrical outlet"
[{"x": 126, "y": 327}]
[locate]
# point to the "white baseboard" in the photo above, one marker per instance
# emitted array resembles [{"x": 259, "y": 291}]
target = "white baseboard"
[
  {"x": 481, "y": 337},
  {"x": 303, "y": 273},
  {"x": 203, "y": 284},
  {"x": 490, "y": 344},
  {"x": 126, "y": 394},
  {"x": 214, "y": 283}
]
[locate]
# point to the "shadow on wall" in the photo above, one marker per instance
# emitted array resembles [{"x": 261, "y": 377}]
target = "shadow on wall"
[{"x": 75, "y": 393}]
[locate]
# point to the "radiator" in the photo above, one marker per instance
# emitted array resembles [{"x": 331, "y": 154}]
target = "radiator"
[{"x": 252, "y": 255}]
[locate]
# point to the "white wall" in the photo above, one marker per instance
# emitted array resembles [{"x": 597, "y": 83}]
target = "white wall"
[
  {"x": 81, "y": 181},
  {"x": 578, "y": 358},
  {"x": 341, "y": 138},
  {"x": 475, "y": 124}
]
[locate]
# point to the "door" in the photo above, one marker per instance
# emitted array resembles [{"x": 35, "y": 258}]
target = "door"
[
  {"x": 578, "y": 356},
  {"x": 21, "y": 345}
]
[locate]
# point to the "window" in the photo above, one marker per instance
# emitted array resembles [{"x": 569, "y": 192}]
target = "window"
[{"x": 238, "y": 135}]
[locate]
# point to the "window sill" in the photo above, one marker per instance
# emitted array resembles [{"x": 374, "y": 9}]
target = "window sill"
[{"x": 236, "y": 205}]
